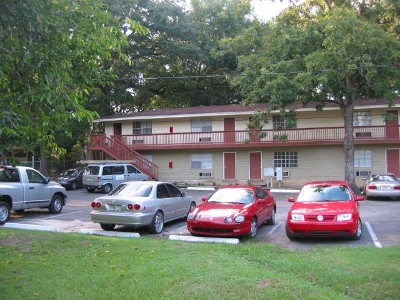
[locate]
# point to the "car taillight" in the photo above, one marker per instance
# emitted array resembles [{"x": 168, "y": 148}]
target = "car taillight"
[
  {"x": 95, "y": 204},
  {"x": 372, "y": 187},
  {"x": 133, "y": 206},
  {"x": 397, "y": 187}
]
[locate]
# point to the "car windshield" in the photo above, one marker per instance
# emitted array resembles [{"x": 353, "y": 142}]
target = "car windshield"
[
  {"x": 69, "y": 172},
  {"x": 389, "y": 178},
  {"x": 316, "y": 193},
  {"x": 93, "y": 170},
  {"x": 132, "y": 190},
  {"x": 235, "y": 195}
]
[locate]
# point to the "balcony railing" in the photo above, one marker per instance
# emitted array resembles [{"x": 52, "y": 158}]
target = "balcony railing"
[{"x": 246, "y": 138}]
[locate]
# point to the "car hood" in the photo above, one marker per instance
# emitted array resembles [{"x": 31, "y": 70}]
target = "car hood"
[
  {"x": 213, "y": 209},
  {"x": 323, "y": 207},
  {"x": 65, "y": 177}
]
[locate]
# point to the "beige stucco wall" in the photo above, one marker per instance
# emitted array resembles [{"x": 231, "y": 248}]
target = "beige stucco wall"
[
  {"x": 314, "y": 163},
  {"x": 305, "y": 119}
]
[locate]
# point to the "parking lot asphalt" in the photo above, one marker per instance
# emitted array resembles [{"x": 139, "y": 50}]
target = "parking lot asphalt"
[{"x": 380, "y": 222}]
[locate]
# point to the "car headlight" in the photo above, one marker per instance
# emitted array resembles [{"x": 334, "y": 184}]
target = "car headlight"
[
  {"x": 344, "y": 217},
  {"x": 228, "y": 220},
  {"x": 190, "y": 216},
  {"x": 239, "y": 219},
  {"x": 297, "y": 217}
]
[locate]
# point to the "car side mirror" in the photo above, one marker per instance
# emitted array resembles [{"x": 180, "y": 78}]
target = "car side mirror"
[
  {"x": 205, "y": 198},
  {"x": 291, "y": 199},
  {"x": 360, "y": 198},
  {"x": 260, "y": 200}
]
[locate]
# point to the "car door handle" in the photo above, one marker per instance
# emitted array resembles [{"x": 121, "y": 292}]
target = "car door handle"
[{"x": 31, "y": 188}]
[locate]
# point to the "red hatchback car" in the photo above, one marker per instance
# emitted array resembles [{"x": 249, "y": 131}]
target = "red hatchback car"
[
  {"x": 325, "y": 209},
  {"x": 232, "y": 211}
]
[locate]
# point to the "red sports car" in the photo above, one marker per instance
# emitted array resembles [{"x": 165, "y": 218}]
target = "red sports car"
[
  {"x": 325, "y": 209},
  {"x": 235, "y": 210}
]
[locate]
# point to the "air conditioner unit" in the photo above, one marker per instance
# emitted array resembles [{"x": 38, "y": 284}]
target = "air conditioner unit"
[
  {"x": 363, "y": 134},
  {"x": 205, "y": 174},
  {"x": 205, "y": 139},
  {"x": 284, "y": 173},
  {"x": 363, "y": 173}
]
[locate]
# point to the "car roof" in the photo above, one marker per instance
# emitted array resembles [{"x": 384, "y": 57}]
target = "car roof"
[
  {"x": 238, "y": 186},
  {"x": 328, "y": 182},
  {"x": 383, "y": 173},
  {"x": 151, "y": 182}
]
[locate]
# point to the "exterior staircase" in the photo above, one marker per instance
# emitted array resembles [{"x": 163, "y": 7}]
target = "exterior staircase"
[{"x": 118, "y": 151}]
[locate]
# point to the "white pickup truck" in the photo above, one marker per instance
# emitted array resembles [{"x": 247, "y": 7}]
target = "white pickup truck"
[{"x": 23, "y": 187}]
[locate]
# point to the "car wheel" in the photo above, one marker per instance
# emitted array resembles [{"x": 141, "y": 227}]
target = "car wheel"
[
  {"x": 157, "y": 225},
  {"x": 271, "y": 221},
  {"x": 358, "y": 234},
  {"x": 253, "y": 228},
  {"x": 107, "y": 227},
  {"x": 56, "y": 204},
  {"x": 288, "y": 233},
  {"x": 90, "y": 190},
  {"x": 73, "y": 186},
  {"x": 5, "y": 212},
  {"x": 107, "y": 188}
]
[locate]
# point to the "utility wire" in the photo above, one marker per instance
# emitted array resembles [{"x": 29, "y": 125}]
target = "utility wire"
[{"x": 267, "y": 74}]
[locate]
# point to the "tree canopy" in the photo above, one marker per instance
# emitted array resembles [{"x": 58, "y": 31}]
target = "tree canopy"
[
  {"x": 320, "y": 52},
  {"x": 52, "y": 57}
]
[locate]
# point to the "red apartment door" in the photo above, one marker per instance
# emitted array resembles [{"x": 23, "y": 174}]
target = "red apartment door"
[
  {"x": 393, "y": 161},
  {"x": 230, "y": 165},
  {"x": 117, "y": 127},
  {"x": 255, "y": 165},
  {"x": 392, "y": 126},
  {"x": 229, "y": 130}
]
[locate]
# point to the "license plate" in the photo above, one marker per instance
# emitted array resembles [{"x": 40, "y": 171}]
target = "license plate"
[
  {"x": 114, "y": 208},
  {"x": 385, "y": 187}
]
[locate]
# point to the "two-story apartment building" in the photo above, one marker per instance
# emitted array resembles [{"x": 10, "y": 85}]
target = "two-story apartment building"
[{"x": 212, "y": 144}]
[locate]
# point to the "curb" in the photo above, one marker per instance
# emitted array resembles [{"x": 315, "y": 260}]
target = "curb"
[{"x": 30, "y": 227}]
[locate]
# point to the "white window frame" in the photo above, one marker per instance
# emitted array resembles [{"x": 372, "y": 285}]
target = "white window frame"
[
  {"x": 201, "y": 125},
  {"x": 286, "y": 159},
  {"x": 362, "y": 118},
  {"x": 363, "y": 158},
  {"x": 201, "y": 161},
  {"x": 142, "y": 128}
]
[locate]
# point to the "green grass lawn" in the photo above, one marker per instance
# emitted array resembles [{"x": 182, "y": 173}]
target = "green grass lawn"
[{"x": 45, "y": 265}]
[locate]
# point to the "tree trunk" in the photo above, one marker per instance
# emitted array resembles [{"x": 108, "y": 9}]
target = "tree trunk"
[
  {"x": 347, "y": 110},
  {"x": 43, "y": 161}
]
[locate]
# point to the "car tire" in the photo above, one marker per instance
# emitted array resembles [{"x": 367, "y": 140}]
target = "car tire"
[
  {"x": 107, "y": 227},
  {"x": 106, "y": 188},
  {"x": 288, "y": 233},
  {"x": 157, "y": 224},
  {"x": 90, "y": 190},
  {"x": 271, "y": 221},
  {"x": 73, "y": 186},
  {"x": 56, "y": 204},
  {"x": 5, "y": 212},
  {"x": 253, "y": 228},
  {"x": 358, "y": 233}
]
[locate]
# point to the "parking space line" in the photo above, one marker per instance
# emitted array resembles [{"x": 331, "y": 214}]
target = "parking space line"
[
  {"x": 58, "y": 215},
  {"x": 274, "y": 228},
  {"x": 373, "y": 236}
]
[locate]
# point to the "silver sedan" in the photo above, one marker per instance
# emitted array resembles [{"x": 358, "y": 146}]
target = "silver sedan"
[
  {"x": 383, "y": 185},
  {"x": 140, "y": 204}
]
